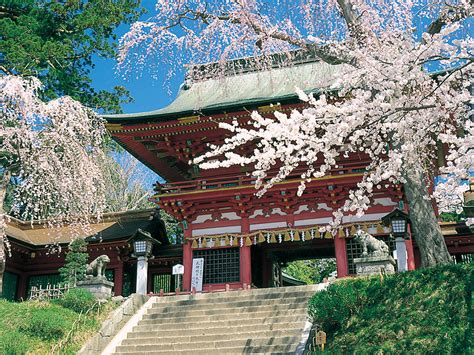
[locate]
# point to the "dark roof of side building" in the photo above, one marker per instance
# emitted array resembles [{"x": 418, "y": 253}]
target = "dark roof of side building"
[{"x": 112, "y": 227}]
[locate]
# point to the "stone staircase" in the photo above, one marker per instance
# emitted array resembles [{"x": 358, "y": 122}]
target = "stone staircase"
[{"x": 253, "y": 321}]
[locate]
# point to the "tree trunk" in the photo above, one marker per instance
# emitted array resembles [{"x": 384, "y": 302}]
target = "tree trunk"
[
  {"x": 424, "y": 222},
  {"x": 3, "y": 191}
]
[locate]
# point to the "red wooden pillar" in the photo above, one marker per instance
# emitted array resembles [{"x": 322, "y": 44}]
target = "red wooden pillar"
[
  {"x": 187, "y": 259},
  {"x": 411, "y": 263},
  {"x": 245, "y": 256},
  {"x": 118, "y": 279},
  {"x": 149, "y": 280},
  {"x": 341, "y": 257}
]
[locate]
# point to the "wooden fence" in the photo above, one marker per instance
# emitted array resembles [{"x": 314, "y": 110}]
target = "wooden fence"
[{"x": 50, "y": 292}]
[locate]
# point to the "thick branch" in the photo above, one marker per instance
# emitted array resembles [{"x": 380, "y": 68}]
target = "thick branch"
[
  {"x": 351, "y": 17},
  {"x": 449, "y": 14}
]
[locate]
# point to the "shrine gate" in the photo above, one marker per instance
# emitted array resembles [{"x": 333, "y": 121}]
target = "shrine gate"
[{"x": 243, "y": 238}]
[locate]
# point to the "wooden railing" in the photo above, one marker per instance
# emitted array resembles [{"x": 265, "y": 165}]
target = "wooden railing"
[{"x": 232, "y": 181}]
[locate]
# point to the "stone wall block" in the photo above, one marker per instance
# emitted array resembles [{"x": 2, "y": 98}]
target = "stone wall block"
[{"x": 113, "y": 324}]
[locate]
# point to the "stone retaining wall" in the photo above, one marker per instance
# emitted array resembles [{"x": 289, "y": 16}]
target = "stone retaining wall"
[{"x": 113, "y": 324}]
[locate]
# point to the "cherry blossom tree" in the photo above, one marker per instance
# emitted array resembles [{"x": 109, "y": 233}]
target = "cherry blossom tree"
[
  {"x": 400, "y": 93},
  {"x": 125, "y": 179},
  {"x": 52, "y": 150}
]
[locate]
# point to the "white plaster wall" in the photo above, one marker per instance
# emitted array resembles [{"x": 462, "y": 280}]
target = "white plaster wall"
[
  {"x": 364, "y": 218},
  {"x": 313, "y": 221},
  {"x": 218, "y": 230},
  {"x": 267, "y": 225},
  {"x": 231, "y": 216},
  {"x": 384, "y": 201},
  {"x": 202, "y": 218}
]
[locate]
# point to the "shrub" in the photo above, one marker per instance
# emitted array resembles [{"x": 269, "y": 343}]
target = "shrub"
[
  {"x": 46, "y": 323},
  {"x": 424, "y": 311},
  {"x": 334, "y": 307},
  {"x": 78, "y": 300}
]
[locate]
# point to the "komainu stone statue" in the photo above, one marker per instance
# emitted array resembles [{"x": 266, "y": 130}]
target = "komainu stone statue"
[
  {"x": 95, "y": 281},
  {"x": 96, "y": 269},
  {"x": 375, "y": 256},
  {"x": 371, "y": 246}
]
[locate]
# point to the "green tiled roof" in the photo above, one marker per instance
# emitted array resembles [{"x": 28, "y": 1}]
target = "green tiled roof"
[{"x": 219, "y": 94}]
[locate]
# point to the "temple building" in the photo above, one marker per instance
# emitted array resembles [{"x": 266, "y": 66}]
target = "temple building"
[
  {"x": 36, "y": 253},
  {"x": 244, "y": 240}
]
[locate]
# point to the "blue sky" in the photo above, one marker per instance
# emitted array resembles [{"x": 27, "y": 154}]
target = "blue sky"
[{"x": 148, "y": 93}]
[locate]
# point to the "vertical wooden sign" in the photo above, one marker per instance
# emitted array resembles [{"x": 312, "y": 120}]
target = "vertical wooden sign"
[{"x": 197, "y": 274}]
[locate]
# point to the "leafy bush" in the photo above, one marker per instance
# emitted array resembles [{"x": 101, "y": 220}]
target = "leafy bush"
[
  {"x": 424, "y": 311},
  {"x": 47, "y": 324},
  {"x": 78, "y": 300},
  {"x": 334, "y": 307},
  {"x": 311, "y": 271}
]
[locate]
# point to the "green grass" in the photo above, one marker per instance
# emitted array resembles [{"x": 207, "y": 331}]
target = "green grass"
[
  {"x": 35, "y": 327},
  {"x": 420, "y": 312}
]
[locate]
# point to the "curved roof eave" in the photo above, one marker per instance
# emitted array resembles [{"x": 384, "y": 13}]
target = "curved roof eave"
[{"x": 222, "y": 94}]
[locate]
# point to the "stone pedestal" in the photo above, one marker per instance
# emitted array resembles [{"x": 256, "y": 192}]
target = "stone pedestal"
[
  {"x": 371, "y": 265},
  {"x": 100, "y": 288}
]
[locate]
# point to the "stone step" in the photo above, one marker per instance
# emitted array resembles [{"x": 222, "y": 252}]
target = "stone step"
[
  {"x": 225, "y": 297},
  {"x": 243, "y": 343},
  {"x": 267, "y": 321},
  {"x": 234, "y": 322},
  {"x": 170, "y": 307},
  {"x": 208, "y": 310},
  {"x": 269, "y": 349},
  {"x": 212, "y": 328},
  {"x": 182, "y": 318},
  {"x": 158, "y": 338}
]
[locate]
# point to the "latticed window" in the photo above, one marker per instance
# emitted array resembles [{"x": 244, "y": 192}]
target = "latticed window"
[
  {"x": 220, "y": 265},
  {"x": 129, "y": 277},
  {"x": 354, "y": 250}
]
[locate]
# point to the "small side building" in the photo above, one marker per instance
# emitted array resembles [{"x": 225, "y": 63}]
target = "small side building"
[{"x": 37, "y": 253}]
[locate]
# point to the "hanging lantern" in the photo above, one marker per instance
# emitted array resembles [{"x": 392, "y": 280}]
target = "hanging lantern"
[{"x": 398, "y": 221}]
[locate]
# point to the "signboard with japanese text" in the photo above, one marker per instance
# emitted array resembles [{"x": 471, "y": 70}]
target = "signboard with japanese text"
[{"x": 197, "y": 274}]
